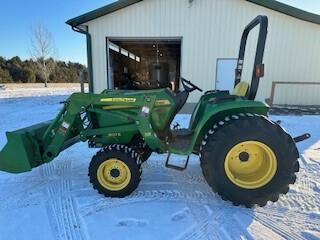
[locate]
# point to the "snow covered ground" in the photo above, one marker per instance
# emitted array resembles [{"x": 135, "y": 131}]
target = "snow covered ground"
[{"x": 56, "y": 200}]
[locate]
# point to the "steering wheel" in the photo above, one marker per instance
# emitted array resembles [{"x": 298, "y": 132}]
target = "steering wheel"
[{"x": 189, "y": 86}]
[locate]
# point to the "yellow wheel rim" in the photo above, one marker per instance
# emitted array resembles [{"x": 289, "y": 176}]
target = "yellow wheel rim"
[
  {"x": 114, "y": 174},
  {"x": 250, "y": 164}
]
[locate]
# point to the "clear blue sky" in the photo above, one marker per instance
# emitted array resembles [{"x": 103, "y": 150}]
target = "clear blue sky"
[{"x": 17, "y": 15}]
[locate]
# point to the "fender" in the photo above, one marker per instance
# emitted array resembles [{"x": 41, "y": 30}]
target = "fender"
[{"x": 205, "y": 115}]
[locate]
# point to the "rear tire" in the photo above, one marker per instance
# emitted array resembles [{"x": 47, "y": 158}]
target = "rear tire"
[
  {"x": 248, "y": 159},
  {"x": 115, "y": 171}
]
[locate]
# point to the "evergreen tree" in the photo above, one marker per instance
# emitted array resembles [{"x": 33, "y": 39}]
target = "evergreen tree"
[
  {"x": 5, "y": 76},
  {"x": 17, "y": 71}
]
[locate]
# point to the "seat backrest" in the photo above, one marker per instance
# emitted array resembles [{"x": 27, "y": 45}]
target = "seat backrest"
[{"x": 241, "y": 89}]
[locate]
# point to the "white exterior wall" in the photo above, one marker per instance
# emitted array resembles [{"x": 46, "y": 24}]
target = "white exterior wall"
[{"x": 212, "y": 29}]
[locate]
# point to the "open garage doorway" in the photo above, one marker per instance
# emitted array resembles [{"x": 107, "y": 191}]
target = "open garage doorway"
[{"x": 142, "y": 64}]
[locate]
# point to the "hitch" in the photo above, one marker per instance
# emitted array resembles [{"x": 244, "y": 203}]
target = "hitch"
[{"x": 302, "y": 137}]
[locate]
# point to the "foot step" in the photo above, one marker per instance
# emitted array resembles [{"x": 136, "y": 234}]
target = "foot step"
[{"x": 181, "y": 166}]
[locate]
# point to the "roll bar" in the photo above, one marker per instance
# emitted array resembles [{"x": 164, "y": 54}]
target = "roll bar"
[{"x": 258, "y": 67}]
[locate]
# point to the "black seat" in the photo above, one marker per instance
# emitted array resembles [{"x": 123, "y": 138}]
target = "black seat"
[{"x": 180, "y": 99}]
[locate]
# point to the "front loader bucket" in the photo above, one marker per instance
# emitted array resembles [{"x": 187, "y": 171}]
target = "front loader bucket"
[{"x": 23, "y": 149}]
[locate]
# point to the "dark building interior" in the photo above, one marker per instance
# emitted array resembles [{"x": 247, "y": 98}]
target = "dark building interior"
[{"x": 145, "y": 64}]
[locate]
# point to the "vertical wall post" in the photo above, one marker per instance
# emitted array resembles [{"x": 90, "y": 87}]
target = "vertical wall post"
[{"x": 81, "y": 81}]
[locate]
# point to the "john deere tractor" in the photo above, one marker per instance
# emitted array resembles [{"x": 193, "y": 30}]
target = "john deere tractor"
[{"x": 245, "y": 157}]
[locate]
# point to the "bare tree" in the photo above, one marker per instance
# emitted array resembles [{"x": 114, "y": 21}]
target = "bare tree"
[{"x": 43, "y": 50}]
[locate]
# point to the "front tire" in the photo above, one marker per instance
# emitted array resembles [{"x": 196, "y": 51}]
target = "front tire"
[
  {"x": 115, "y": 171},
  {"x": 141, "y": 147},
  {"x": 248, "y": 160}
]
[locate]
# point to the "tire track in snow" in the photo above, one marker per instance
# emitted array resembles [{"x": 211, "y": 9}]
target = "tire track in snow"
[
  {"x": 147, "y": 196},
  {"x": 295, "y": 207},
  {"x": 304, "y": 196},
  {"x": 47, "y": 169},
  {"x": 306, "y": 203},
  {"x": 53, "y": 185},
  {"x": 274, "y": 221},
  {"x": 295, "y": 218},
  {"x": 207, "y": 223},
  {"x": 190, "y": 177},
  {"x": 61, "y": 204},
  {"x": 205, "y": 230},
  {"x": 209, "y": 218},
  {"x": 205, "y": 218},
  {"x": 63, "y": 214},
  {"x": 216, "y": 224},
  {"x": 213, "y": 221},
  {"x": 234, "y": 224},
  {"x": 55, "y": 169}
]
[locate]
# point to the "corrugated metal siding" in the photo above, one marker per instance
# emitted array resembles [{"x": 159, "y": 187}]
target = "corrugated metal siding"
[
  {"x": 212, "y": 30},
  {"x": 292, "y": 54}
]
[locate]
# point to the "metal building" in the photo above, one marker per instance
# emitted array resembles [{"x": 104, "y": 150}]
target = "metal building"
[{"x": 141, "y": 44}]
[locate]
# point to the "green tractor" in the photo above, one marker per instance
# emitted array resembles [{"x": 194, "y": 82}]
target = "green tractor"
[{"x": 245, "y": 157}]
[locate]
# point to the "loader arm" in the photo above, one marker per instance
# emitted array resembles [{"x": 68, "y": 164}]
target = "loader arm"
[
  {"x": 107, "y": 118},
  {"x": 32, "y": 146}
]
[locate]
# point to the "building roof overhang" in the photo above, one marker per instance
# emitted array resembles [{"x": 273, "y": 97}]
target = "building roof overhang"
[{"x": 270, "y": 4}]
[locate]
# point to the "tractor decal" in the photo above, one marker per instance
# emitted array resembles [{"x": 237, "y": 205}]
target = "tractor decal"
[
  {"x": 162, "y": 102},
  {"x": 126, "y": 100}
]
